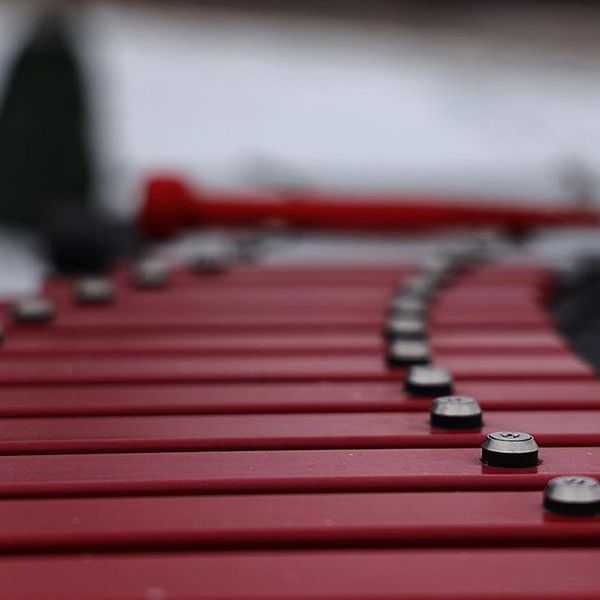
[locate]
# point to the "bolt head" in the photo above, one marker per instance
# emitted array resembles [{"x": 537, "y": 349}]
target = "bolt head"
[
  {"x": 455, "y": 412},
  {"x": 210, "y": 263},
  {"x": 419, "y": 285},
  {"x": 405, "y": 328},
  {"x": 150, "y": 274},
  {"x": 93, "y": 290},
  {"x": 509, "y": 449},
  {"x": 442, "y": 266},
  {"x": 33, "y": 310},
  {"x": 407, "y": 352},
  {"x": 573, "y": 494},
  {"x": 428, "y": 380},
  {"x": 407, "y": 306}
]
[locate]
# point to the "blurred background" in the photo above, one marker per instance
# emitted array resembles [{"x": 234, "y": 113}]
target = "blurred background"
[
  {"x": 500, "y": 98},
  {"x": 494, "y": 97}
]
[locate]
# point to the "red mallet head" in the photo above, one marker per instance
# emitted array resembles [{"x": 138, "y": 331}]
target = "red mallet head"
[{"x": 167, "y": 205}]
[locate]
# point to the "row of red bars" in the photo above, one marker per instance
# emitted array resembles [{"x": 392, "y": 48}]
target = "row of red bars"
[{"x": 239, "y": 436}]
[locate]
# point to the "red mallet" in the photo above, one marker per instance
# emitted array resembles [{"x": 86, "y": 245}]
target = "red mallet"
[{"x": 170, "y": 204}]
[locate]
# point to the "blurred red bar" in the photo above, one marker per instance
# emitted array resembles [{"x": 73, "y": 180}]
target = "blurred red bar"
[
  {"x": 354, "y": 520},
  {"x": 262, "y": 277},
  {"x": 406, "y": 469},
  {"x": 43, "y": 344},
  {"x": 282, "y": 432},
  {"x": 351, "y": 302},
  {"x": 105, "y": 321},
  {"x": 251, "y": 398},
  {"x": 427, "y": 574},
  {"x": 247, "y": 369}
]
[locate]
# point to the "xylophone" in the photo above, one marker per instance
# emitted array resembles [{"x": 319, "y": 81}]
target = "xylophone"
[{"x": 253, "y": 432}]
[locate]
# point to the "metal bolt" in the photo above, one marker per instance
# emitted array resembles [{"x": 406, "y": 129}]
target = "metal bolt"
[
  {"x": 428, "y": 380},
  {"x": 440, "y": 266},
  {"x": 408, "y": 328},
  {"x": 455, "y": 412},
  {"x": 407, "y": 306},
  {"x": 407, "y": 352},
  {"x": 419, "y": 286},
  {"x": 573, "y": 495},
  {"x": 93, "y": 290},
  {"x": 209, "y": 264},
  {"x": 151, "y": 274},
  {"x": 436, "y": 276},
  {"x": 33, "y": 310},
  {"x": 509, "y": 449}
]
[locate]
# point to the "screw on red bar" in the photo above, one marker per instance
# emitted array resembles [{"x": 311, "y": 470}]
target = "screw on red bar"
[{"x": 169, "y": 204}]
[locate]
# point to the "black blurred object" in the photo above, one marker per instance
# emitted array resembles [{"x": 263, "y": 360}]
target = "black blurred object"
[
  {"x": 87, "y": 242},
  {"x": 80, "y": 241},
  {"x": 44, "y": 154},
  {"x": 577, "y": 309}
]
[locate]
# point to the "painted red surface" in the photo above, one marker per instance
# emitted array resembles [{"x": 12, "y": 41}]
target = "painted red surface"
[
  {"x": 283, "y": 432},
  {"x": 280, "y": 471},
  {"x": 233, "y": 521},
  {"x": 238, "y": 436}
]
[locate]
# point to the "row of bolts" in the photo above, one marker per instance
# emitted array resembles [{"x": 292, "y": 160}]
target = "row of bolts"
[{"x": 406, "y": 334}]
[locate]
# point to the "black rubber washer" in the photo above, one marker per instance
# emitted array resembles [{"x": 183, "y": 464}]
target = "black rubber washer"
[
  {"x": 509, "y": 460},
  {"x": 583, "y": 509},
  {"x": 445, "y": 389},
  {"x": 469, "y": 422}
]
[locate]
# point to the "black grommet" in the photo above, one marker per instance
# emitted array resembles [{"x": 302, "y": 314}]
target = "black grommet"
[
  {"x": 455, "y": 412},
  {"x": 418, "y": 286},
  {"x": 150, "y": 274},
  {"x": 408, "y": 306},
  {"x": 407, "y": 352},
  {"x": 93, "y": 290},
  {"x": 440, "y": 269},
  {"x": 209, "y": 264},
  {"x": 428, "y": 380},
  {"x": 513, "y": 449},
  {"x": 573, "y": 495},
  {"x": 406, "y": 328},
  {"x": 33, "y": 310}
]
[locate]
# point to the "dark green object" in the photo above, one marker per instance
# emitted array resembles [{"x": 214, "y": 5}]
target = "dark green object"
[{"x": 44, "y": 154}]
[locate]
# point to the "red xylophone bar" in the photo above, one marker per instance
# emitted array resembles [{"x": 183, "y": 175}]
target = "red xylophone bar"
[
  {"x": 280, "y": 471},
  {"x": 163, "y": 502},
  {"x": 291, "y": 369},
  {"x": 43, "y": 344},
  {"x": 273, "y": 398},
  {"x": 427, "y": 574},
  {"x": 266, "y": 521},
  {"x": 282, "y": 432}
]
